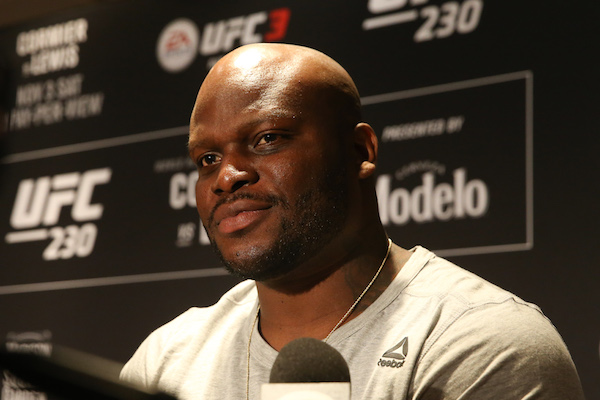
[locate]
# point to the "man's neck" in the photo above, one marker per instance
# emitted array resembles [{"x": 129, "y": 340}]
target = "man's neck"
[{"x": 287, "y": 315}]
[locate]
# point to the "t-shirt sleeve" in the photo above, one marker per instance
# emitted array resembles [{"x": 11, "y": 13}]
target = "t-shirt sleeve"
[
  {"x": 497, "y": 351},
  {"x": 144, "y": 367},
  {"x": 139, "y": 369}
]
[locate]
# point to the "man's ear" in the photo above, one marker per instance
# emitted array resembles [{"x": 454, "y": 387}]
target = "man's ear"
[{"x": 366, "y": 145}]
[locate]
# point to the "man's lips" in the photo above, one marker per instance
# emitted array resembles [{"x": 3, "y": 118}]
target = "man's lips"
[{"x": 238, "y": 215}]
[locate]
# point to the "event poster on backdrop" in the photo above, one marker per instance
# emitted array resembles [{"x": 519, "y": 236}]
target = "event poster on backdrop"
[
  {"x": 428, "y": 189},
  {"x": 100, "y": 241}
]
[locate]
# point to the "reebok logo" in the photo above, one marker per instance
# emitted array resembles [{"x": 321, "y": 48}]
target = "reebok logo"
[{"x": 397, "y": 357}]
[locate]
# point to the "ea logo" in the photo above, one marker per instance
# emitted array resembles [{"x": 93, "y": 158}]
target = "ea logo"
[{"x": 177, "y": 45}]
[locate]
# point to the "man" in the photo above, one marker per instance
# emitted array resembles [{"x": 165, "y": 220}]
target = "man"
[{"x": 287, "y": 195}]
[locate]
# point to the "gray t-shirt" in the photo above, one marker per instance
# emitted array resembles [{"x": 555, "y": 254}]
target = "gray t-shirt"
[{"x": 437, "y": 332}]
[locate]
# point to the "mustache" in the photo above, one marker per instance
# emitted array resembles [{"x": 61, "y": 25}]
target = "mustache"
[{"x": 271, "y": 199}]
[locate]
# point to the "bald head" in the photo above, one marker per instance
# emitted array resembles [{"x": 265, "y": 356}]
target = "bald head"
[
  {"x": 277, "y": 138},
  {"x": 281, "y": 75}
]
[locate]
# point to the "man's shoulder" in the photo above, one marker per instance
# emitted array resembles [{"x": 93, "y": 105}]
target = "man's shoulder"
[
  {"x": 494, "y": 332},
  {"x": 238, "y": 300},
  {"x": 442, "y": 279},
  {"x": 231, "y": 310},
  {"x": 460, "y": 303},
  {"x": 177, "y": 342},
  {"x": 500, "y": 342}
]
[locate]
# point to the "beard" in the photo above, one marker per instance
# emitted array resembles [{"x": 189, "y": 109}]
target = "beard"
[{"x": 312, "y": 222}]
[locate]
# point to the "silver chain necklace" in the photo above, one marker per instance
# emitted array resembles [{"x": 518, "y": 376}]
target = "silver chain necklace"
[{"x": 340, "y": 322}]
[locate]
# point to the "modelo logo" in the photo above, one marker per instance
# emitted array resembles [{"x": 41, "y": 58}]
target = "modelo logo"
[
  {"x": 430, "y": 201},
  {"x": 180, "y": 41},
  {"x": 39, "y": 204}
]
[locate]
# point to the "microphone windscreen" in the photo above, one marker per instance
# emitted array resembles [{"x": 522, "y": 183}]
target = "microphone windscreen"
[{"x": 309, "y": 360}]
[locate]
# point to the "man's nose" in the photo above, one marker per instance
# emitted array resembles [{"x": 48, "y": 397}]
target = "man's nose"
[{"x": 234, "y": 173}]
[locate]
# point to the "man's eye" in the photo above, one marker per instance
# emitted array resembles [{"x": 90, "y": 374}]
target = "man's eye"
[
  {"x": 209, "y": 159},
  {"x": 268, "y": 138}
]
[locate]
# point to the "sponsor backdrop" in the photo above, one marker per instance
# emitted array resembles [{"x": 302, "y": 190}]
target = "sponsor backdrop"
[{"x": 486, "y": 113}]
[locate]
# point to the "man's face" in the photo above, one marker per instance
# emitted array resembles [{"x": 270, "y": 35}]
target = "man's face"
[{"x": 273, "y": 176}]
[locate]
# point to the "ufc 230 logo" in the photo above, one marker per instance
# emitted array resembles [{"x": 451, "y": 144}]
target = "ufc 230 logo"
[
  {"x": 438, "y": 21},
  {"x": 40, "y": 202}
]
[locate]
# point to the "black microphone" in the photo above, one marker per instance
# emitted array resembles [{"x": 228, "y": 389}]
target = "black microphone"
[
  {"x": 307, "y": 369},
  {"x": 71, "y": 374}
]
